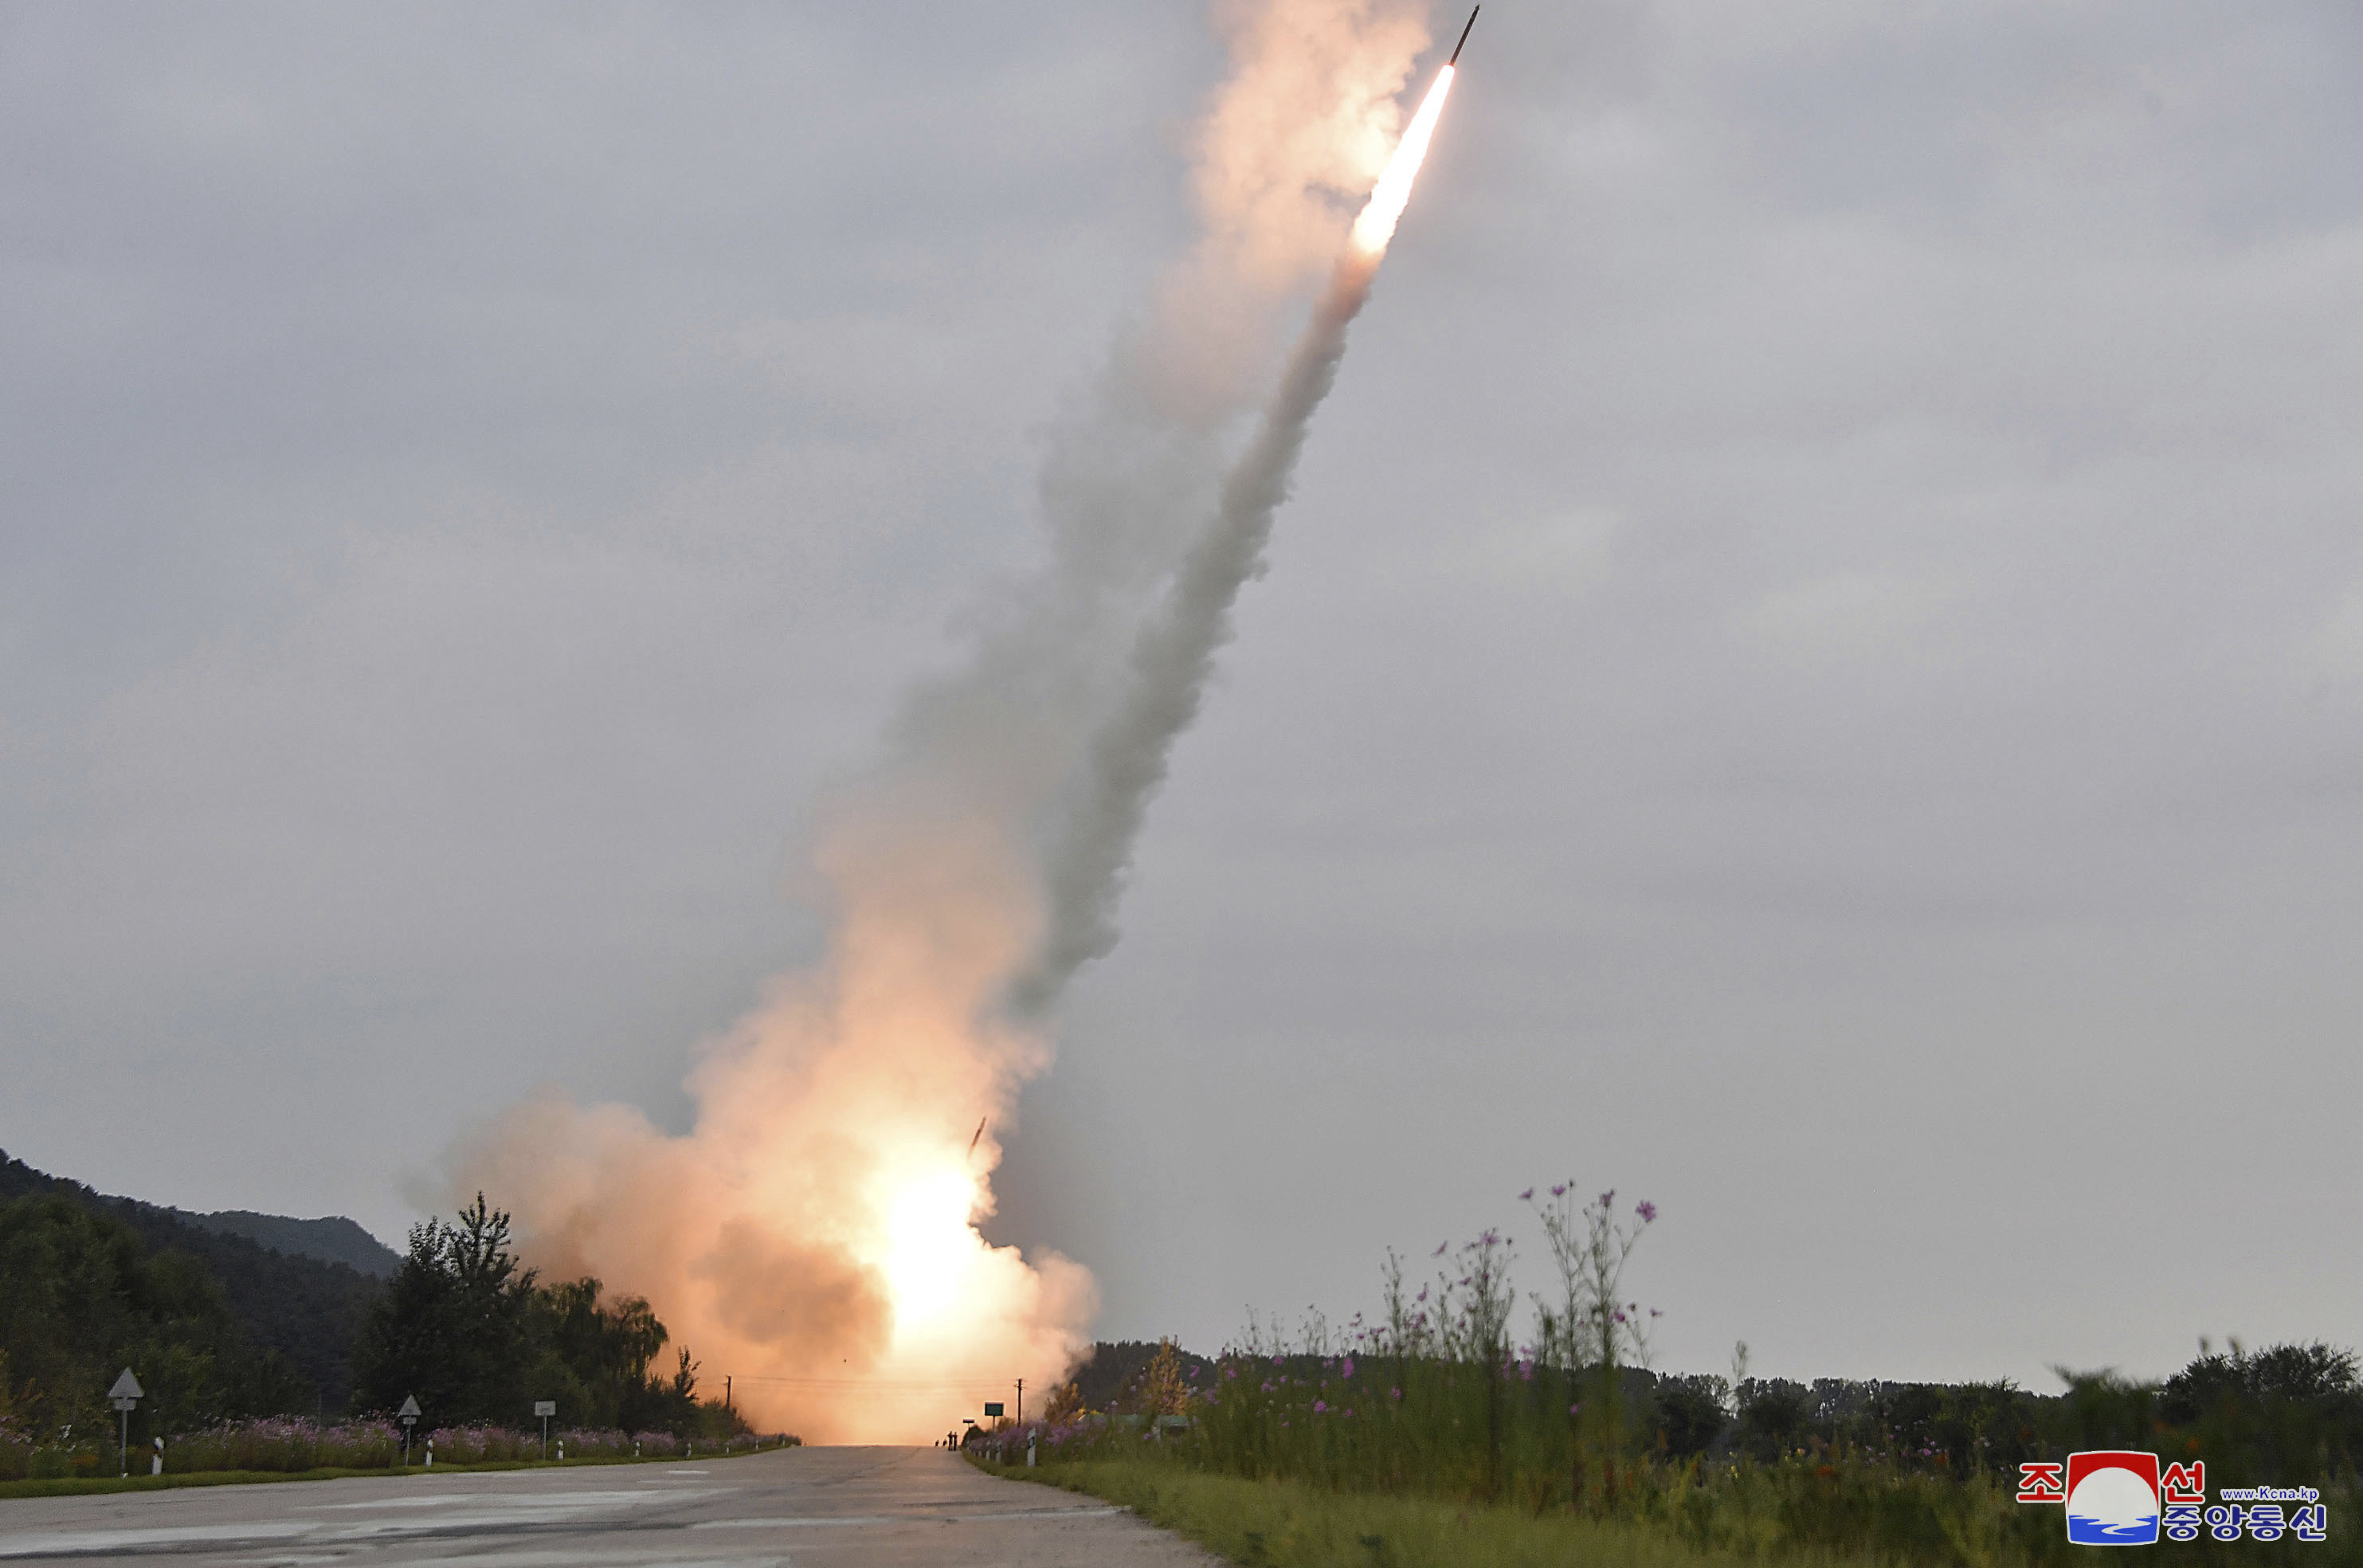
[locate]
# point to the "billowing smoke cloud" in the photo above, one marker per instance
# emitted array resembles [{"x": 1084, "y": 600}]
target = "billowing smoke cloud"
[{"x": 816, "y": 1232}]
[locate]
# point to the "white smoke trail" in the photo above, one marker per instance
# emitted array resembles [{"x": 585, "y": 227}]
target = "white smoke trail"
[
  {"x": 1128, "y": 757},
  {"x": 815, "y": 1232},
  {"x": 1129, "y": 754}
]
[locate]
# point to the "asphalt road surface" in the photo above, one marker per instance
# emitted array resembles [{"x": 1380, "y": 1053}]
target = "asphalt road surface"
[{"x": 816, "y": 1507}]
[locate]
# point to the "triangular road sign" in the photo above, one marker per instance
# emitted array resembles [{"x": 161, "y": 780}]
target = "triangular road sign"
[
  {"x": 409, "y": 1405},
  {"x": 125, "y": 1387}
]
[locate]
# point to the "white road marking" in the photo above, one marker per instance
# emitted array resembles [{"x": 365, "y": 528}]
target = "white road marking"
[
  {"x": 450, "y": 1511},
  {"x": 87, "y": 1542},
  {"x": 917, "y": 1517}
]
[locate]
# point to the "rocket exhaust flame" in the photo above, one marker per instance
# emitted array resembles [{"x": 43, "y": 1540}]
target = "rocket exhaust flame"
[
  {"x": 815, "y": 1233},
  {"x": 1376, "y": 226}
]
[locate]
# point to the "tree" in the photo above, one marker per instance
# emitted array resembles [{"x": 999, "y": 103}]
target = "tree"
[
  {"x": 1163, "y": 1390},
  {"x": 1066, "y": 1403},
  {"x": 1772, "y": 1414},
  {"x": 2286, "y": 1409},
  {"x": 1690, "y": 1414},
  {"x": 476, "y": 1337},
  {"x": 595, "y": 1355},
  {"x": 82, "y": 1297},
  {"x": 453, "y": 1328}
]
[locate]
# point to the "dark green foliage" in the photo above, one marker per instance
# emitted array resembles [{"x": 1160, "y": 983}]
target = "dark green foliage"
[
  {"x": 1772, "y": 1414},
  {"x": 595, "y": 1356},
  {"x": 218, "y": 1326},
  {"x": 1689, "y": 1415},
  {"x": 300, "y": 1311},
  {"x": 2286, "y": 1410},
  {"x": 1896, "y": 1473},
  {"x": 476, "y": 1337},
  {"x": 332, "y": 1241},
  {"x": 82, "y": 1297},
  {"x": 2285, "y": 1372},
  {"x": 452, "y": 1329}
]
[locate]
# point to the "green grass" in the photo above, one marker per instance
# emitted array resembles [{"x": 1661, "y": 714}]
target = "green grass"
[
  {"x": 75, "y": 1487},
  {"x": 1286, "y": 1524}
]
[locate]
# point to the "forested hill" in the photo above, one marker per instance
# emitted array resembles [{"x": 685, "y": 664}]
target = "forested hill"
[
  {"x": 332, "y": 1241},
  {"x": 306, "y": 1308}
]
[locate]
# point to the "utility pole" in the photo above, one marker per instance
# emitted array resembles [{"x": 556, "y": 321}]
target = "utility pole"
[
  {"x": 1021, "y": 1401},
  {"x": 726, "y": 1391}
]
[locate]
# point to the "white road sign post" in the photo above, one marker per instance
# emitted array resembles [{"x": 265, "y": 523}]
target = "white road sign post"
[
  {"x": 545, "y": 1408},
  {"x": 125, "y": 1394},
  {"x": 409, "y": 1416}
]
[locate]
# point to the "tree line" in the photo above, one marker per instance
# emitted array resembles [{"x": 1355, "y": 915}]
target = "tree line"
[
  {"x": 474, "y": 1336},
  {"x": 463, "y": 1327}
]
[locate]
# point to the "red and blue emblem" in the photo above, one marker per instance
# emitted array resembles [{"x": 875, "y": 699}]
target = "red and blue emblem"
[{"x": 2112, "y": 1498}]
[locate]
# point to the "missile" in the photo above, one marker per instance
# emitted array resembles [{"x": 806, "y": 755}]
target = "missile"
[{"x": 1464, "y": 35}]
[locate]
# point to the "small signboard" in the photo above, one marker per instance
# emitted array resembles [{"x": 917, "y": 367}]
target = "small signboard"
[
  {"x": 409, "y": 1411},
  {"x": 992, "y": 1410},
  {"x": 545, "y": 1407},
  {"x": 127, "y": 1392}
]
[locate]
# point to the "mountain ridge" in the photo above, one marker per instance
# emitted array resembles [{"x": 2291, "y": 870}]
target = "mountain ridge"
[
  {"x": 332, "y": 1239},
  {"x": 306, "y": 1308}
]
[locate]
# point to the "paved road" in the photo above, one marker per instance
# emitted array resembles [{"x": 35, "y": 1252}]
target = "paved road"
[{"x": 825, "y": 1507}]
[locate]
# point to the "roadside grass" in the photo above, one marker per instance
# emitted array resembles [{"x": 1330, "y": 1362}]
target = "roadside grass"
[
  {"x": 1432, "y": 1437},
  {"x": 1291, "y": 1524},
  {"x": 75, "y": 1487}
]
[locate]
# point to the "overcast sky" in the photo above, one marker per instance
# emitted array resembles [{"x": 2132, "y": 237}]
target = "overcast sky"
[{"x": 1814, "y": 671}]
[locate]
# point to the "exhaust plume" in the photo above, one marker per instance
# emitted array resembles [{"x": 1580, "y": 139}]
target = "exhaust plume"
[
  {"x": 1128, "y": 757},
  {"x": 816, "y": 1234}
]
